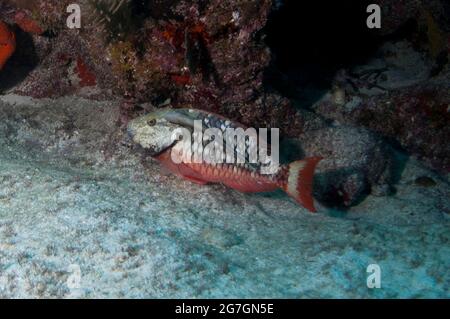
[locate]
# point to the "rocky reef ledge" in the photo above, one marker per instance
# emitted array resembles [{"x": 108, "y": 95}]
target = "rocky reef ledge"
[{"x": 71, "y": 200}]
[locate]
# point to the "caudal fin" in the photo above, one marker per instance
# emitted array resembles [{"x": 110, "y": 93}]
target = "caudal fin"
[{"x": 298, "y": 182}]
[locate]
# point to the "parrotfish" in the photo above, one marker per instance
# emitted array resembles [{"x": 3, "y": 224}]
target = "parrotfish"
[
  {"x": 155, "y": 133},
  {"x": 7, "y": 43}
]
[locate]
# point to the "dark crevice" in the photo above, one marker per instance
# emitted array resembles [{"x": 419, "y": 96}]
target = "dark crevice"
[
  {"x": 311, "y": 40},
  {"x": 22, "y": 62}
]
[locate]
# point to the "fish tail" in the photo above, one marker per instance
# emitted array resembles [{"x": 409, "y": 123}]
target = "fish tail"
[{"x": 298, "y": 182}]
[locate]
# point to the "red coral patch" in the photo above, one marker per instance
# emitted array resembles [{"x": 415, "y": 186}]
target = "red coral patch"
[
  {"x": 87, "y": 77},
  {"x": 27, "y": 24}
]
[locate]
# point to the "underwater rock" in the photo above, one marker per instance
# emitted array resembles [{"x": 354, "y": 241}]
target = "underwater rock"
[
  {"x": 209, "y": 58},
  {"x": 27, "y": 24},
  {"x": 203, "y": 54},
  {"x": 425, "y": 181},
  {"x": 397, "y": 13},
  {"x": 416, "y": 118},
  {"x": 54, "y": 67},
  {"x": 397, "y": 95},
  {"x": 69, "y": 129},
  {"x": 356, "y": 162},
  {"x": 35, "y": 16},
  {"x": 396, "y": 65}
]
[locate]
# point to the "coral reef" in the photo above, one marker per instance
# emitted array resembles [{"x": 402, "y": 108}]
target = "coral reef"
[
  {"x": 416, "y": 118},
  {"x": 206, "y": 54},
  {"x": 400, "y": 101},
  {"x": 27, "y": 24},
  {"x": 211, "y": 55},
  {"x": 356, "y": 163}
]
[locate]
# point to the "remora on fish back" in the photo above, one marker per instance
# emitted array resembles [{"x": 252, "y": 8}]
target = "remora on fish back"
[{"x": 154, "y": 132}]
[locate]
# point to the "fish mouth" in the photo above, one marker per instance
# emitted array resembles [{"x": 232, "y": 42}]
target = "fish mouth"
[
  {"x": 179, "y": 117},
  {"x": 154, "y": 152}
]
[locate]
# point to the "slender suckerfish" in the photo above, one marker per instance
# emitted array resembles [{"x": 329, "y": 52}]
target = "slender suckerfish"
[{"x": 154, "y": 132}]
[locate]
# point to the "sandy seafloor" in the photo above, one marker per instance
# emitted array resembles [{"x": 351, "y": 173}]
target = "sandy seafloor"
[{"x": 74, "y": 194}]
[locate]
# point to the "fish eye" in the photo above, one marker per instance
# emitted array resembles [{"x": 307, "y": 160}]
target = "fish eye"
[{"x": 151, "y": 122}]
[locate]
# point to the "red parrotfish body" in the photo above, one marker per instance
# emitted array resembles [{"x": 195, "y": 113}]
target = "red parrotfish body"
[
  {"x": 296, "y": 179},
  {"x": 154, "y": 133}
]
